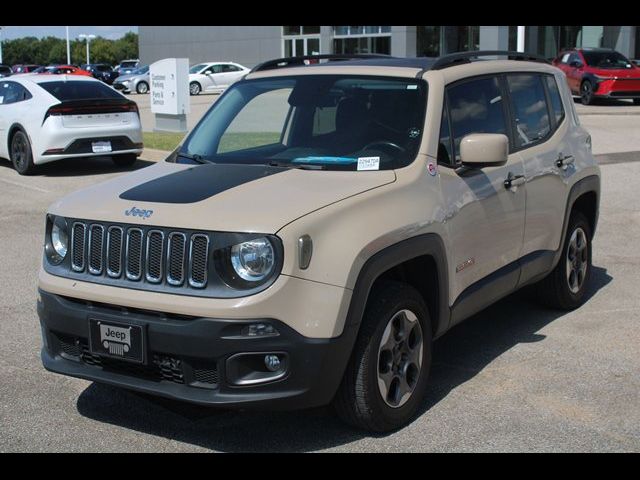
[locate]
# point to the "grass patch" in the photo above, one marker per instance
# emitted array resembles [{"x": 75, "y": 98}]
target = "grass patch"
[
  {"x": 162, "y": 140},
  {"x": 229, "y": 142},
  {"x": 233, "y": 141}
]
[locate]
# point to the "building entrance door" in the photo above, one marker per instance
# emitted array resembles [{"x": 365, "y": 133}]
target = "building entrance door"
[{"x": 302, "y": 45}]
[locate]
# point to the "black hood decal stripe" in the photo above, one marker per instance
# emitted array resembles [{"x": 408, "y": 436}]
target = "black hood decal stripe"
[{"x": 197, "y": 183}]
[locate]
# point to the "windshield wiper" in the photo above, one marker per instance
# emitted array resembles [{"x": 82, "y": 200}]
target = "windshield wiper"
[
  {"x": 195, "y": 157},
  {"x": 301, "y": 166}
]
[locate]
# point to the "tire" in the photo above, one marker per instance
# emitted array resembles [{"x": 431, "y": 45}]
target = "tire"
[
  {"x": 142, "y": 88},
  {"x": 359, "y": 400},
  {"x": 586, "y": 93},
  {"x": 564, "y": 288},
  {"x": 21, "y": 154},
  {"x": 194, "y": 88},
  {"x": 125, "y": 160}
]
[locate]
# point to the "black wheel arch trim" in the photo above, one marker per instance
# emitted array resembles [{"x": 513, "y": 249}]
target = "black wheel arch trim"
[
  {"x": 592, "y": 80},
  {"x": 429, "y": 244},
  {"x": 590, "y": 184}
]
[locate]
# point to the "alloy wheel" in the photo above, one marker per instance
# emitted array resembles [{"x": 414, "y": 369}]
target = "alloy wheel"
[
  {"x": 400, "y": 358},
  {"x": 577, "y": 260}
]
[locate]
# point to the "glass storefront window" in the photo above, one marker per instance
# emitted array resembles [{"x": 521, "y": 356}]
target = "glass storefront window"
[
  {"x": 360, "y": 30},
  {"x": 433, "y": 41},
  {"x": 301, "y": 30},
  {"x": 362, "y": 45}
]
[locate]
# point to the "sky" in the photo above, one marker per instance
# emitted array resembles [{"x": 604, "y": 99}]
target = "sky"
[{"x": 9, "y": 33}]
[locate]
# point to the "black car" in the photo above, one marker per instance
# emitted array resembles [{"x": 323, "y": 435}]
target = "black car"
[
  {"x": 101, "y": 71},
  {"x": 5, "y": 70}
]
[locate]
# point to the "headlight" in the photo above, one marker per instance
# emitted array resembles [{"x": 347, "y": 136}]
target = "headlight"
[
  {"x": 253, "y": 261},
  {"x": 249, "y": 263},
  {"x": 57, "y": 241}
]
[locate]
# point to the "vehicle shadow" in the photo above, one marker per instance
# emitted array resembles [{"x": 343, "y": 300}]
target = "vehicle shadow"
[
  {"x": 458, "y": 357},
  {"x": 75, "y": 167}
]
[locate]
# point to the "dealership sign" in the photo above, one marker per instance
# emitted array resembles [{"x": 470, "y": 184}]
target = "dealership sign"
[{"x": 170, "y": 86}]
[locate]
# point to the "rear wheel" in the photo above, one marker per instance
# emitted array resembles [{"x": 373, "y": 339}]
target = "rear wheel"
[
  {"x": 194, "y": 88},
  {"x": 586, "y": 92},
  {"x": 21, "y": 154},
  {"x": 125, "y": 160},
  {"x": 564, "y": 288},
  {"x": 386, "y": 379},
  {"x": 142, "y": 87}
]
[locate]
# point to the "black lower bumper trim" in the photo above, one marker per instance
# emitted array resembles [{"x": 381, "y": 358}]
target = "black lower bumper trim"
[{"x": 186, "y": 357}]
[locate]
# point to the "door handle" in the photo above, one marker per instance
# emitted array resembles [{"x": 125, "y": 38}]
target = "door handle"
[
  {"x": 513, "y": 181},
  {"x": 564, "y": 161}
]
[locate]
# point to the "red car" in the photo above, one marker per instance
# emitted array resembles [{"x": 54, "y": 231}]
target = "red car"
[
  {"x": 599, "y": 73},
  {"x": 66, "y": 70}
]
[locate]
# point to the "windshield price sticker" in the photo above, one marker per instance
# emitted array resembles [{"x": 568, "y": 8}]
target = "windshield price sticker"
[{"x": 369, "y": 163}]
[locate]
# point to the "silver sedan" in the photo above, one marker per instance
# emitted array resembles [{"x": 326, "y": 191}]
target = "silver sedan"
[{"x": 137, "y": 82}]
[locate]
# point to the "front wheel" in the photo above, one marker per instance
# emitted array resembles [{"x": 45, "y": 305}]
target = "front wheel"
[
  {"x": 21, "y": 153},
  {"x": 386, "y": 378},
  {"x": 586, "y": 93},
  {"x": 194, "y": 88},
  {"x": 142, "y": 87},
  {"x": 564, "y": 288}
]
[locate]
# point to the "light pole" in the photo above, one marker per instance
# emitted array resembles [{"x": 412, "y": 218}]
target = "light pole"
[
  {"x": 88, "y": 38},
  {"x": 0, "y": 44},
  {"x": 68, "y": 48}
]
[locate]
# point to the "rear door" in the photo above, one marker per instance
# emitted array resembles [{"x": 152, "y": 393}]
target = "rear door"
[
  {"x": 485, "y": 218},
  {"x": 540, "y": 127},
  {"x": 14, "y": 106}
]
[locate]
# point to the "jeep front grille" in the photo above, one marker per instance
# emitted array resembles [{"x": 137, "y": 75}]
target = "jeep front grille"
[{"x": 132, "y": 254}]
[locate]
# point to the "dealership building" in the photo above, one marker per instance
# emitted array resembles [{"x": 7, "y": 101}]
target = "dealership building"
[{"x": 250, "y": 45}]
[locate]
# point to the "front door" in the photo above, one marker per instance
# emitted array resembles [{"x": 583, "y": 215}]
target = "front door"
[{"x": 485, "y": 216}]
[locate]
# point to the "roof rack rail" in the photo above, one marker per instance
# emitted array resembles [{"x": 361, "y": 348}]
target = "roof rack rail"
[
  {"x": 465, "y": 57},
  {"x": 291, "y": 61}
]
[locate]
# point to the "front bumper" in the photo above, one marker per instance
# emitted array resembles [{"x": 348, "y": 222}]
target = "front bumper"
[
  {"x": 618, "y": 88},
  {"x": 187, "y": 357}
]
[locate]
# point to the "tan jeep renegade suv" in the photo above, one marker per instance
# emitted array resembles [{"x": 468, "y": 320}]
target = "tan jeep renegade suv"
[{"x": 319, "y": 228}]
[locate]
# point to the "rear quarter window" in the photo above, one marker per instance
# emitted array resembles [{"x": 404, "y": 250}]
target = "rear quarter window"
[{"x": 74, "y": 90}]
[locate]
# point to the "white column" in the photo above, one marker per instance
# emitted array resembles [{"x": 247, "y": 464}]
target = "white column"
[{"x": 521, "y": 34}]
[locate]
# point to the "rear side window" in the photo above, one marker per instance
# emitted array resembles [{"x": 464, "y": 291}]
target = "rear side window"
[
  {"x": 476, "y": 106},
  {"x": 74, "y": 90},
  {"x": 529, "y": 105},
  {"x": 556, "y": 100},
  {"x": 12, "y": 92}
]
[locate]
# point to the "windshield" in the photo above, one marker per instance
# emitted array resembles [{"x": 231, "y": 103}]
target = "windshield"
[
  {"x": 197, "y": 68},
  {"x": 333, "y": 122},
  {"x": 606, "y": 60},
  {"x": 141, "y": 70}
]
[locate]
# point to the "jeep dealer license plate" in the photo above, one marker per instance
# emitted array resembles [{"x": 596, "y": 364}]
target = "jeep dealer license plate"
[
  {"x": 115, "y": 340},
  {"x": 101, "y": 147}
]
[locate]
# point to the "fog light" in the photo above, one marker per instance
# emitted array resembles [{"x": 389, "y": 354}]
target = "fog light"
[
  {"x": 272, "y": 362},
  {"x": 259, "y": 330}
]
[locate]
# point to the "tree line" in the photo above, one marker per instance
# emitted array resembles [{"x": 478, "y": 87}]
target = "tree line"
[{"x": 52, "y": 50}]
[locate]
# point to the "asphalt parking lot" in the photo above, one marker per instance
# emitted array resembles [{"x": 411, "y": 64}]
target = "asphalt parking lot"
[{"x": 515, "y": 377}]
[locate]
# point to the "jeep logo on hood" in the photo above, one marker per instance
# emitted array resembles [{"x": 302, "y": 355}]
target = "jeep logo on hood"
[{"x": 138, "y": 212}]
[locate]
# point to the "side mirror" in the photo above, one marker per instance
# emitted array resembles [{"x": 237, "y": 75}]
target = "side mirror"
[
  {"x": 575, "y": 64},
  {"x": 484, "y": 150}
]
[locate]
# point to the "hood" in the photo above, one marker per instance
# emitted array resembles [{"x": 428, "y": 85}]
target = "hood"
[{"x": 232, "y": 198}]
